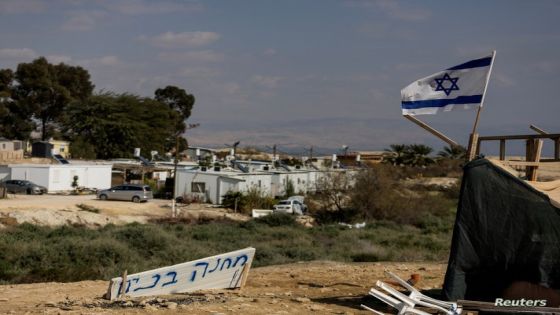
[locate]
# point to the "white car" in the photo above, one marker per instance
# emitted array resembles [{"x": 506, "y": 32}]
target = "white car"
[{"x": 290, "y": 206}]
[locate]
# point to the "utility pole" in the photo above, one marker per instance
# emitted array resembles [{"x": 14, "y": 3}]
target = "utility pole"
[{"x": 173, "y": 202}]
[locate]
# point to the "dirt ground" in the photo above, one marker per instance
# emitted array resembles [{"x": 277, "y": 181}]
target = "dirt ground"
[
  {"x": 301, "y": 288},
  {"x": 56, "y": 210}
]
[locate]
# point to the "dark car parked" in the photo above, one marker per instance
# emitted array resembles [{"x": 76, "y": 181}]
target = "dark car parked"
[
  {"x": 19, "y": 186},
  {"x": 132, "y": 192}
]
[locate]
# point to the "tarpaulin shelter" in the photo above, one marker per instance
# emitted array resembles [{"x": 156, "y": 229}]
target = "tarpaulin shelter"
[{"x": 507, "y": 231}]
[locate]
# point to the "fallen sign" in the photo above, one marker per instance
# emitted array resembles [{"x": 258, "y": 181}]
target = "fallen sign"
[{"x": 224, "y": 271}]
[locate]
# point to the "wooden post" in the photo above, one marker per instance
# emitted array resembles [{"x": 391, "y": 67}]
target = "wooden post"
[
  {"x": 557, "y": 149},
  {"x": 473, "y": 147},
  {"x": 244, "y": 275},
  {"x": 477, "y": 146},
  {"x": 529, "y": 150},
  {"x": 536, "y": 157},
  {"x": 538, "y": 130},
  {"x": 431, "y": 130},
  {"x": 502, "y": 149},
  {"x": 484, "y": 93},
  {"x": 122, "y": 291}
]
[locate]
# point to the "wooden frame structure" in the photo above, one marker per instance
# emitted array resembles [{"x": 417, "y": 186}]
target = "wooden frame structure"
[{"x": 533, "y": 145}]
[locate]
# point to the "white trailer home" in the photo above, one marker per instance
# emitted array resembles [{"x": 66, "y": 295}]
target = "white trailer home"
[
  {"x": 211, "y": 185},
  {"x": 58, "y": 178}
]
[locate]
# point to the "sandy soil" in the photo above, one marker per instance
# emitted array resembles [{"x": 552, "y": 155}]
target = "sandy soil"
[
  {"x": 55, "y": 210},
  {"x": 301, "y": 288}
]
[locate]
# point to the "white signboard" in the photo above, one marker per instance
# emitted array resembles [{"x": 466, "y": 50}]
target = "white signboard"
[{"x": 217, "y": 272}]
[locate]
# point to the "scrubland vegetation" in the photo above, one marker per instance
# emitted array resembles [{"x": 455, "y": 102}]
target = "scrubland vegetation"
[
  {"x": 403, "y": 223},
  {"x": 31, "y": 253}
]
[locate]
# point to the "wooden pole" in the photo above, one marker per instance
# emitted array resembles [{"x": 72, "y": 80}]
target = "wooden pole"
[
  {"x": 484, "y": 93},
  {"x": 557, "y": 149},
  {"x": 244, "y": 275},
  {"x": 174, "y": 201},
  {"x": 502, "y": 149},
  {"x": 431, "y": 130},
  {"x": 122, "y": 291},
  {"x": 529, "y": 150},
  {"x": 536, "y": 158},
  {"x": 538, "y": 130},
  {"x": 555, "y": 140},
  {"x": 474, "y": 147}
]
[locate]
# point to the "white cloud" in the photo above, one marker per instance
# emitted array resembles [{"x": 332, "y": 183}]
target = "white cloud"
[
  {"x": 190, "y": 39},
  {"x": 392, "y": 8},
  {"x": 17, "y": 53},
  {"x": 56, "y": 59},
  {"x": 142, "y": 7},
  {"x": 199, "y": 72},
  {"x": 266, "y": 81},
  {"x": 21, "y": 6},
  {"x": 105, "y": 61},
  {"x": 192, "y": 56},
  {"x": 83, "y": 20}
]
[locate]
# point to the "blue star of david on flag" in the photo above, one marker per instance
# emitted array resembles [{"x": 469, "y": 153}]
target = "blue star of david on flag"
[
  {"x": 441, "y": 92},
  {"x": 441, "y": 87}
]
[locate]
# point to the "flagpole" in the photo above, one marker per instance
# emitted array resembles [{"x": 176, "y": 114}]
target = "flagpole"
[
  {"x": 473, "y": 139},
  {"x": 484, "y": 93}
]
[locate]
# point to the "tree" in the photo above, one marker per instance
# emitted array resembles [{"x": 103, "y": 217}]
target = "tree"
[
  {"x": 412, "y": 155},
  {"x": 455, "y": 152},
  {"x": 373, "y": 195},
  {"x": 332, "y": 190},
  {"x": 418, "y": 155},
  {"x": 114, "y": 124},
  {"x": 15, "y": 120},
  {"x": 179, "y": 100},
  {"x": 398, "y": 154},
  {"x": 45, "y": 90}
]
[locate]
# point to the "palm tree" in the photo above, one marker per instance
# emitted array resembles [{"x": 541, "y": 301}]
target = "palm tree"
[
  {"x": 453, "y": 152},
  {"x": 398, "y": 154},
  {"x": 418, "y": 155}
]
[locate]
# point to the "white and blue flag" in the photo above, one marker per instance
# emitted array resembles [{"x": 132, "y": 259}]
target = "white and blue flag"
[{"x": 459, "y": 87}]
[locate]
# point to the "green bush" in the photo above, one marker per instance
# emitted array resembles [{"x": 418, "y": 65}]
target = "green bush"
[
  {"x": 31, "y": 253},
  {"x": 254, "y": 198},
  {"x": 277, "y": 219}
]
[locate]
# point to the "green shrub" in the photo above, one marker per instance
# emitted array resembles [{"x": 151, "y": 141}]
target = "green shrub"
[
  {"x": 277, "y": 219},
  {"x": 37, "y": 254}
]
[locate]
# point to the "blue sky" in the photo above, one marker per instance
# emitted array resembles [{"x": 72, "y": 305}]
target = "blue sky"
[{"x": 301, "y": 72}]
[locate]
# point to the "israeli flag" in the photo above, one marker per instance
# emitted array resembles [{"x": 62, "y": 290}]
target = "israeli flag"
[{"x": 459, "y": 87}]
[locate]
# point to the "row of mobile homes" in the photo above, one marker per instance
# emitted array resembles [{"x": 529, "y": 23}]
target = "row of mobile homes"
[
  {"x": 59, "y": 177},
  {"x": 210, "y": 184}
]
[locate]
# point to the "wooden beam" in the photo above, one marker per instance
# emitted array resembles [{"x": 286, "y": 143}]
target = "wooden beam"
[
  {"x": 431, "y": 130},
  {"x": 122, "y": 289},
  {"x": 522, "y": 163},
  {"x": 521, "y": 137},
  {"x": 536, "y": 158},
  {"x": 502, "y": 149},
  {"x": 473, "y": 146},
  {"x": 538, "y": 130},
  {"x": 529, "y": 150}
]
